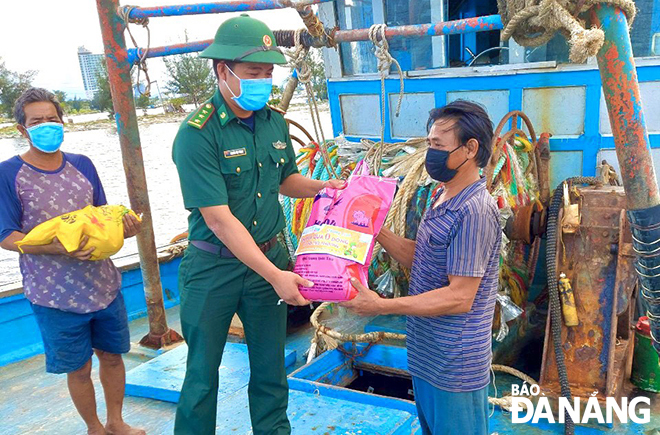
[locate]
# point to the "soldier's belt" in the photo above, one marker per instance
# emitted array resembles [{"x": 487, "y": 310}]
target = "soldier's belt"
[{"x": 224, "y": 252}]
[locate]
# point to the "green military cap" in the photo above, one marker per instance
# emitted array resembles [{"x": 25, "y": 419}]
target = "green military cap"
[{"x": 244, "y": 39}]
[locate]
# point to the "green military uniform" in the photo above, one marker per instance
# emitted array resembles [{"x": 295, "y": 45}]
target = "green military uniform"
[{"x": 221, "y": 161}]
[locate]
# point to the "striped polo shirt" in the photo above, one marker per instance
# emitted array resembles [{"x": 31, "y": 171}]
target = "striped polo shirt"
[{"x": 460, "y": 237}]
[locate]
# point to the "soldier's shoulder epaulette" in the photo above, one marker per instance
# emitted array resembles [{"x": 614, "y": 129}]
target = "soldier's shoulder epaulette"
[{"x": 201, "y": 116}]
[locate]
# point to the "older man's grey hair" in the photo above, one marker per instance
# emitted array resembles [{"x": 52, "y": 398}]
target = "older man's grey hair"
[{"x": 35, "y": 95}]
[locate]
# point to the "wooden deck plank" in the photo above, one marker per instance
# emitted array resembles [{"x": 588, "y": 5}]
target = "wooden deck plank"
[{"x": 162, "y": 377}]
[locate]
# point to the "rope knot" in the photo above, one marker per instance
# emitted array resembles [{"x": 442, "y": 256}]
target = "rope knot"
[
  {"x": 385, "y": 61},
  {"x": 124, "y": 12},
  {"x": 535, "y": 22}
]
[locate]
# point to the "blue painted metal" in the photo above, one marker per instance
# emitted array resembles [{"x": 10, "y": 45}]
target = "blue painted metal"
[
  {"x": 456, "y": 27},
  {"x": 589, "y": 143},
  {"x": 624, "y": 104},
  {"x": 469, "y": 25},
  {"x": 394, "y": 324},
  {"x": 338, "y": 392},
  {"x": 18, "y": 326},
  {"x": 328, "y": 369},
  {"x": 133, "y": 288},
  {"x": 21, "y": 336},
  {"x": 134, "y": 54},
  {"x": 320, "y": 413},
  {"x": 622, "y": 96},
  {"x": 162, "y": 377},
  {"x": 217, "y": 8},
  {"x": 390, "y": 358}
]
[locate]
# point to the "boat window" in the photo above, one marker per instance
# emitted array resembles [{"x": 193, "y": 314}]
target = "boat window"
[
  {"x": 424, "y": 53},
  {"x": 357, "y": 57},
  {"x": 554, "y": 50},
  {"x": 645, "y": 32},
  {"x": 476, "y": 48},
  {"x": 416, "y": 53},
  {"x": 470, "y": 49}
]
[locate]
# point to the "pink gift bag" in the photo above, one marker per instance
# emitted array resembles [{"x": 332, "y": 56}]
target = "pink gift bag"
[{"x": 338, "y": 241}]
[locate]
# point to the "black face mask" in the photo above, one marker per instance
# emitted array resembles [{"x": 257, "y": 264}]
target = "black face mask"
[{"x": 436, "y": 165}]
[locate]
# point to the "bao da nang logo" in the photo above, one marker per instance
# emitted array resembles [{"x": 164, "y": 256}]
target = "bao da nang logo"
[{"x": 581, "y": 410}]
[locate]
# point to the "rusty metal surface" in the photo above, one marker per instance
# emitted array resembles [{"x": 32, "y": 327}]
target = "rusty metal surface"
[
  {"x": 594, "y": 356},
  {"x": 119, "y": 76},
  {"x": 285, "y": 37},
  {"x": 466, "y": 25},
  {"x": 527, "y": 225},
  {"x": 218, "y": 7},
  {"x": 626, "y": 278},
  {"x": 624, "y": 105},
  {"x": 543, "y": 158}
]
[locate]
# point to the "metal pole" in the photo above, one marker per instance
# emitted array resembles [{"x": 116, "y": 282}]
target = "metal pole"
[
  {"x": 119, "y": 76},
  {"x": 624, "y": 106},
  {"x": 285, "y": 37},
  {"x": 466, "y": 25},
  {"x": 160, "y": 96},
  {"x": 218, "y": 8},
  {"x": 291, "y": 86}
]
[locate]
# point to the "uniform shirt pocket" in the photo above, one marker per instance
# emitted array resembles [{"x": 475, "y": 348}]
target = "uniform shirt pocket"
[
  {"x": 278, "y": 158},
  {"x": 236, "y": 167}
]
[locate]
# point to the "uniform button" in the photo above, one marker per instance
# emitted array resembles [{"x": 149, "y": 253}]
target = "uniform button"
[
  {"x": 254, "y": 223},
  {"x": 258, "y": 194},
  {"x": 238, "y": 170},
  {"x": 282, "y": 160},
  {"x": 260, "y": 165}
]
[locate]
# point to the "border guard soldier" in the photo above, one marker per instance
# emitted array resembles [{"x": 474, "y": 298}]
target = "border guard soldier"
[{"x": 233, "y": 156}]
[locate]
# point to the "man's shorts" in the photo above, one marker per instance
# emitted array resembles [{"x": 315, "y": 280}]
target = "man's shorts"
[
  {"x": 451, "y": 413},
  {"x": 70, "y": 337}
]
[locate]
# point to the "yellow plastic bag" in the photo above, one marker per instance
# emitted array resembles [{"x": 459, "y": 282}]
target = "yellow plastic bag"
[{"x": 103, "y": 225}]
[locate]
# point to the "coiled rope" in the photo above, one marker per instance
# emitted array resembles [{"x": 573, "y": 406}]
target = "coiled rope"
[
  {"x": 534, "y": 22},
  {"x": 385, "y": 61},
  {"x": 298, "y": 61},
  {"x": 124, "y": 13}
]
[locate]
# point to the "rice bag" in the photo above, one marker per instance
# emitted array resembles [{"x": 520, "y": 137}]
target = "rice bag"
[
  {"x": 103, "y": 226},
  {"x": 338, "y": 241}
]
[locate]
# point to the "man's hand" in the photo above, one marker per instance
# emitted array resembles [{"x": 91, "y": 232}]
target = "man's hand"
[
  {"x": 132, "y": 225},
  {"x": 335, "y": 184},
  {"x": 366, "y": 303},
  {"x": 56, "y": 248},
  {"x": 286, "y": 286}
]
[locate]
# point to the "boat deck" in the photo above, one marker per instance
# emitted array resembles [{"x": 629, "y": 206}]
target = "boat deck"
[{"x": 33, "y": 401}]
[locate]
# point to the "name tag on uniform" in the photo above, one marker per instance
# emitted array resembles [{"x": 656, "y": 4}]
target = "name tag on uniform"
[
  {"x": 235, "y": 153},
  {"x": 279, "y": 145}
]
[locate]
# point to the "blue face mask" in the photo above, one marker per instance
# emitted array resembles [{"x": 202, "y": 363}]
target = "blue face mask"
[
  {"x": 47, "y": 137},
  {"x": 436, "y": 165},
  {"x": 254, "y": 92}
]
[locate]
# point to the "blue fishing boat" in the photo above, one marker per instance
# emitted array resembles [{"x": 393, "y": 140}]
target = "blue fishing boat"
[{"x": 571, "y": 121}]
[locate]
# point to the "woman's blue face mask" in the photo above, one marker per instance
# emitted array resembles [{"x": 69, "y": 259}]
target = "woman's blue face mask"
[
  {"x": 255, "y": 93},
  {"x": 47, "y": 137}
]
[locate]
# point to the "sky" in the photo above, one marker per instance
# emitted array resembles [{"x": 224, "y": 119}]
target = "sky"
[{"x": 44, "y": 35}]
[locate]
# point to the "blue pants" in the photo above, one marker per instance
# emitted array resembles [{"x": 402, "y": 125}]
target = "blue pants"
[
  {"x": 70, "y": 337},
  {"x": 446, "y": 413}
]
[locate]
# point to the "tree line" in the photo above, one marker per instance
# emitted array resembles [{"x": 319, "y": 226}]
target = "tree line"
[{"x": 190, "y": 80}]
